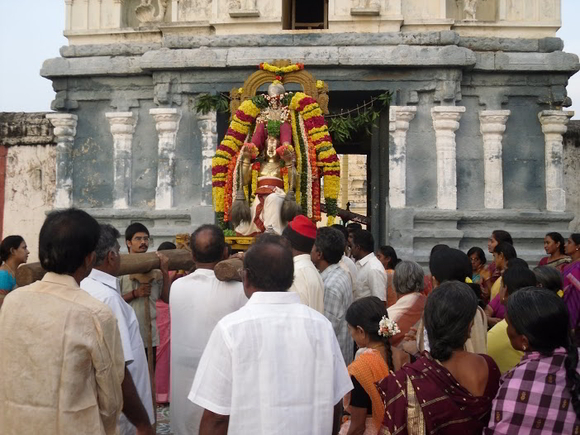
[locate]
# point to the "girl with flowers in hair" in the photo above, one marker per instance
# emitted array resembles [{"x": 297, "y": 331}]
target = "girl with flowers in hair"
[{"x": 371, "y": 329}]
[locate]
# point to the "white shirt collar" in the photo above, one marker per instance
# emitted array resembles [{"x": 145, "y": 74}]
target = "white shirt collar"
[
  {"x": 274, "y": 298},
  {"x": 366, "y": 259},
  {"x": 105, "y": 278},
  {"x": 302, "y": 258},
  {"x": 206, "y": 272}
]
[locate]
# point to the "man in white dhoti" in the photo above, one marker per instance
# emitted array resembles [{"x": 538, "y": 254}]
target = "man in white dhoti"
[
  {"x": 138, "y": 414},
  {"x": 197, "y": 302}
]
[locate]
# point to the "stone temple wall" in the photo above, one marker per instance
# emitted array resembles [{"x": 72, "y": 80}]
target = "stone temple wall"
[{"x": 472, "y": 141}]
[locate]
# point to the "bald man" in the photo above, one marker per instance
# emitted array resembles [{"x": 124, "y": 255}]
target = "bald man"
[{"x": 197, "y": 302}]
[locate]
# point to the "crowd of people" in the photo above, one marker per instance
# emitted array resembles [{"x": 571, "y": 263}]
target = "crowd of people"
[{"x": 322, "y": 334}]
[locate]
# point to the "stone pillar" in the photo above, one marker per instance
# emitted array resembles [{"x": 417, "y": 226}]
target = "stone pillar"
[
  {"x": 492, "y": 126},
  {"x": 122, "y": 128},
  {"x": 399, "y": 118},
  {"x": 167, "y": 124},
  {"x": 446, "y": 123},
  {"x": 65, "y": 129},
  {"x": 208, "y": 128},
  {"x": 554, "y": 126}
]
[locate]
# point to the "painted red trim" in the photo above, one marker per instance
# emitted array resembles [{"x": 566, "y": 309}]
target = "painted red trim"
[{"x": 3, "y": 153}]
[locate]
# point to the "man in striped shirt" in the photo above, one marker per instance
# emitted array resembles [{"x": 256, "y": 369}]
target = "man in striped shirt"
[{"x": 326, "y": 254}]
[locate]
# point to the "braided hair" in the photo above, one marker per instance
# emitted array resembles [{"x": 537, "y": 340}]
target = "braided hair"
[
  {"x": 367, "y": 313},
  {"x": 542, "y": 317}
]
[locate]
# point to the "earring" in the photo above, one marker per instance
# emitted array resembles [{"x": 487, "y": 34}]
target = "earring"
[{"x": 524, "y": 347}]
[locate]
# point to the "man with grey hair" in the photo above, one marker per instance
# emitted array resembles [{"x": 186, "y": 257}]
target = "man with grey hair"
[
  {"x": 102, "y": 284},
  {"x": 326, "y": 254},
  {"x": 407, "y": 311}
]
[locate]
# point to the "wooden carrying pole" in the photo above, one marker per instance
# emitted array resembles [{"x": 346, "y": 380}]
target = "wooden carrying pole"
[{"x": 179, "y": 259}]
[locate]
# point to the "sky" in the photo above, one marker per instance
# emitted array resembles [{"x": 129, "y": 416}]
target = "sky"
[{"x": 32, "y": 31}]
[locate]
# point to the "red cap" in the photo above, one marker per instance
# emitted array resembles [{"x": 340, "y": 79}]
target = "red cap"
[{"x": 303, "y": 226}]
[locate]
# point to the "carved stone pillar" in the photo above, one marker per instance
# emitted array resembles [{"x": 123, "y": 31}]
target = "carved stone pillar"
[
  {"x": 208, "y": 128},
  {"x": 167, "y": 124},
  {"x": 446, "y": 123},
  {"x": 399, "y": 119},
  {"x": 554, "y": 126},
  {"x": 65, "y": 129},
  {"x": 492, "y": 126},
  {"x": 122, "y": 128}
]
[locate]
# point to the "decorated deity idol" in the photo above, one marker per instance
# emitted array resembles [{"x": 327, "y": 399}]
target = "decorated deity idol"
[{"x": 261, "y": 184}]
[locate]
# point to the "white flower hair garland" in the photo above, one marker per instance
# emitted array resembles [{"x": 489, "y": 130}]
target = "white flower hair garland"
[{"x": 388, "y": 328}]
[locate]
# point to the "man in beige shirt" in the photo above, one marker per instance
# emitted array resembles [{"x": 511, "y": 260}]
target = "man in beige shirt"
[{"x": 61, "y": 360}]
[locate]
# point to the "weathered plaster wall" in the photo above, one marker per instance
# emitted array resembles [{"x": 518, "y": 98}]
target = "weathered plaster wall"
[
  {"x": 30, "y": 175},
  {"x": 30, "y": 181}
]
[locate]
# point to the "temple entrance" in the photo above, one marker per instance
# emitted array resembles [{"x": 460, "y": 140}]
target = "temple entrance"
[{"x": 364, "y": 164}]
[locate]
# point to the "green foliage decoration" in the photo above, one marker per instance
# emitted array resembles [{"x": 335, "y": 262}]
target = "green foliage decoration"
[
  {"x": 342, "y": 126},
  {"x": 206, "y": 103}
]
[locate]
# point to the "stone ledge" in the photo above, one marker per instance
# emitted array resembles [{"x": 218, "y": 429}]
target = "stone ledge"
[
  {"x": 108, "y": 49},
  {"x": 90, "y": 66},
  {"x": 137, "y": 213},
  {"x": 18, "y": 129},
  {"x": 496, "y": 215}
]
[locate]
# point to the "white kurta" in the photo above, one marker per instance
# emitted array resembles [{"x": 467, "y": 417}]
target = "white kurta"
[
  {"x": 308, "y": 283},
  {"x": 371, "y": 278},
  {"x": 275, "y": 367},
  {"x": 196, "y": 302},
  {"x": 106, "y": 289}
]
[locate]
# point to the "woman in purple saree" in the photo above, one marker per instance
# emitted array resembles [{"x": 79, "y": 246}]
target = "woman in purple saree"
[{"x": 447, "y": 391}]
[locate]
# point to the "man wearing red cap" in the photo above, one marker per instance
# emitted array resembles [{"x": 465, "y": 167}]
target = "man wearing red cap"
[{"x": 301, "y": 233}]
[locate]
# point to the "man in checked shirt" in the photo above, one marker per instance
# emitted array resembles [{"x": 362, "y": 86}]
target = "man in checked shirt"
[{"x": 326, "y": 254}]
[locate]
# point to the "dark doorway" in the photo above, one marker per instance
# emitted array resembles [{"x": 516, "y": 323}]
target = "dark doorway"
[{"x": 304, "y": 15}]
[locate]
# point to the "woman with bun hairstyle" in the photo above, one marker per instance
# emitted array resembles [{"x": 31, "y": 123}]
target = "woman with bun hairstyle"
[
  {"x": 451, "y": 264},
  {"x": 446, "y": 390},
  {"x": 13, "y": 253},
  {"x": 541, "y": 393}
]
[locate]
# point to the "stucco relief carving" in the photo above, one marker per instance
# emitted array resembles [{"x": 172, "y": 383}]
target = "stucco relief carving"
[
  {"x": 146, "y": 14},
  {"x": 470, "y": 8}
]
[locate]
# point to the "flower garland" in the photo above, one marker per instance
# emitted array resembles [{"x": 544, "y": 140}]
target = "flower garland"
[
  {"x": 228, "y": 150},
  {"x": 230, "y": 187},
  {"x": 284, "y": 173},
  {"x": 300, "y": 163},
  {"x": 281, "y": 70},
  {"x": 319, "y": 137},
  {"x": 310, "y": 167},
  {"x": 255, "y": 172}
]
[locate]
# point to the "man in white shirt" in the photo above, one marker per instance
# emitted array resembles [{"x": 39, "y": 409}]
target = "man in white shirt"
[
  {"x": 274, "y": 366},
  {"x": 301, "y": 232},
  {"x": 197, "y": 302},
  {"x": 371, "y": 276},
  {"x": 138, "y": 415},
  {"x": 346, "y": 262}
]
